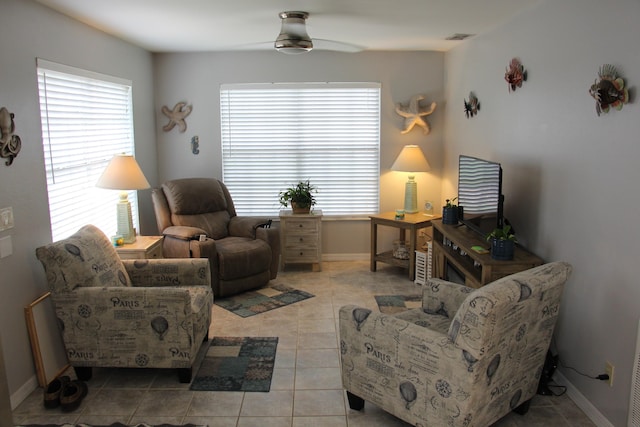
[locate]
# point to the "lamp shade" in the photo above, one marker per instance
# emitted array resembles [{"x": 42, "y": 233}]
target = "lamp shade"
[
  {"x": 123, "y": 173},
  {"x": 411, "y": 159}
]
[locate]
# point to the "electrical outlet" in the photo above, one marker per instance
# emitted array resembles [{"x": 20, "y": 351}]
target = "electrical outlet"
[{"x": 609, "y": 369}]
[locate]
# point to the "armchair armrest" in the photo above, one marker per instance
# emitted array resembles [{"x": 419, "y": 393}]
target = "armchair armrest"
[
  {"x": 443, "y": 297},
  {"x": 169, "y": 272}
]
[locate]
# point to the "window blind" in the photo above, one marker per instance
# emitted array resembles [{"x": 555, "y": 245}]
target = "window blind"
[
  {"x": 274, "y": 135},
  {"x": 86, "y": 119}
]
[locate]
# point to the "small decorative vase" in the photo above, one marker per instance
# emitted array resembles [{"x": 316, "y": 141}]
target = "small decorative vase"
[
  {"x": 449, "y": 215},
  {"x": 502, "y": 250},
  {"x": 300, "y": 209}
]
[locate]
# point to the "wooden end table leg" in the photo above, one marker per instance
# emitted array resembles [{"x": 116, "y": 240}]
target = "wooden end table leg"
[{"x": 374, "y": 244}]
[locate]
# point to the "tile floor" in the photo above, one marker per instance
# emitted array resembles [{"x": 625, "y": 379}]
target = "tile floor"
[{"x": 306, "y": 388}]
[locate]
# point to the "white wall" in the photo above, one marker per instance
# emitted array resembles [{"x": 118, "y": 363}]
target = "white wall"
[
  {"x": 27, "y": 31},
  {"x": 196, "y": 77},
  {"x": 570, "y": 177}
]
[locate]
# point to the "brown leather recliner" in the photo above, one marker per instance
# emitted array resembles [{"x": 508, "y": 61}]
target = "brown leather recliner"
[{"x": 243, "y": 251}]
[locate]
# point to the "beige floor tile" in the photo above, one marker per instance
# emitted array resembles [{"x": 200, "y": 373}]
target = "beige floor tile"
[
  {"x": 212, "y": 421},
  {"x": 318, "y": 379},
  {"x": 276, "y": 403},
  {"x": 264, "y": 422},
  {"x": 318, "y": 403},
  {"x": 113, "y": 402},
  {"x": 215, "y": 403},
  {"x": 161, "y": 403},
  {"x": 318, "y": 358},
  {"x": 324, "y": 421},
  {"x": 283, "y": 379},
  {"x": 317, "y": 340}
]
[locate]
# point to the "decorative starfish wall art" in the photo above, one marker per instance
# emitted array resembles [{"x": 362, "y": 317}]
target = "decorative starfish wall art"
[
  {"x": 413, "y": 114},
  {"x": 176, "y": 116},
  {"x": 609, "y": 90}
]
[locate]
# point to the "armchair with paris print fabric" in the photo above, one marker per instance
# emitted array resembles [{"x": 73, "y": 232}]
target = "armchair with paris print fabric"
[
  {"x": 126, "y": 313},
  {"x": 466, "y": 358}
]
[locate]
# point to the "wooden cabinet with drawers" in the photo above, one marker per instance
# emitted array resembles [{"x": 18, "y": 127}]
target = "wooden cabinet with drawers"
[{"x": 301, "y": 238}]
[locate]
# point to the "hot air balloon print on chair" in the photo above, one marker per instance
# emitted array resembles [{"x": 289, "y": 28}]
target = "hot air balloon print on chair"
[
  {"x": 152, "y": 313},
  {"x": 467, "y": 357}
]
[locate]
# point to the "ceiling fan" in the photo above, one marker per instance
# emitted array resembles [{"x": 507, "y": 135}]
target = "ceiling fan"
[{"x": 293, "y": 37}]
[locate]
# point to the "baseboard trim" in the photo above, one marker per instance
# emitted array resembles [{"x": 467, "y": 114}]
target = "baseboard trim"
[
  {"x": 582, "y": 402},
  {"x": 23, "y": 392},
  {"x": 346, "y": 257}
]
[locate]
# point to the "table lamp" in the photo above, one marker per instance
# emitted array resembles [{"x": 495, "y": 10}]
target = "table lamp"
[
  {"x": 123, "y": 173},
  {"x": 412, "y": 160}
]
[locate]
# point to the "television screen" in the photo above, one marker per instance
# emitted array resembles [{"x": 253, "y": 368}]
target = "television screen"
[{"x": 480, "y": 193}]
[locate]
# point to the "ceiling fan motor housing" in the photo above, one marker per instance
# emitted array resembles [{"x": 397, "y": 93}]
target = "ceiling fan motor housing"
[{"x": 293, "y": 37}]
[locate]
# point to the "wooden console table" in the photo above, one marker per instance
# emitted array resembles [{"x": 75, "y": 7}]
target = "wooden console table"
[
  {"x": 452, "y": 247},
  {"x": 411, "y": 222}
]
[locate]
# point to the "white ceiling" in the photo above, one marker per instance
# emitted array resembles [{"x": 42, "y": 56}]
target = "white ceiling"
[{"x": 213, "y": 25}]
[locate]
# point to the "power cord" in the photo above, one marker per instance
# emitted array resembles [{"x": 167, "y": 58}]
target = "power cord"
[{"x": 601, "y": 377}]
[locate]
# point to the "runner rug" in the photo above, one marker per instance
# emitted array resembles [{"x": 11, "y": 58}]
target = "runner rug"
[
  {"x": 255, "y": 302},
  {"x": 391, "y": 304},
  {"x": 237, "y": 364}
]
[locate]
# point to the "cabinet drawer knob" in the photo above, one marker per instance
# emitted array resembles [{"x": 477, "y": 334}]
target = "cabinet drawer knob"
[
  {"x": 300, "y": 225},
  {"x": 301, "y": 239}
]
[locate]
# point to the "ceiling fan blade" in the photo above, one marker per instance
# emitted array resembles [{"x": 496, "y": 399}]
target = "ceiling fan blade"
[{"x": 322, "y": 44}]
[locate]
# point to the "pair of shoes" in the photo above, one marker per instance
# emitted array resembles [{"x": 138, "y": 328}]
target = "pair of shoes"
[
  {"x": 72, "y": 394},
  {"x": 53, "y": 391}
]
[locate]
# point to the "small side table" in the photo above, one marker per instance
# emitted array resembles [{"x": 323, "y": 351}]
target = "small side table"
[
  {"x": 412, "y": 223},
  {"x": 145, "y": 247},
  {"x": 301, "y": 238}
]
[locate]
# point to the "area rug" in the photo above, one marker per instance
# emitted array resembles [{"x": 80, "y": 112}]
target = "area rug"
[
  {"x": 237, "y": 364},
  {"x": 111, "y": 425},
  {"x": 255, "y": 302},
  {"x": 391, "y": 304}
]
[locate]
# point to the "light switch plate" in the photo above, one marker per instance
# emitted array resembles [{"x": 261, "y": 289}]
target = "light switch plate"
[
  {"x": 6, "y": 246},
  {"x": 6, "y": 218}
]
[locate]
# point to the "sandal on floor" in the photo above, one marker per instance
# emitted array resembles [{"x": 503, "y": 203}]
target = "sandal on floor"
[
  {"x": 53, "y": 391},
  {"x": 72, "y": 395}
]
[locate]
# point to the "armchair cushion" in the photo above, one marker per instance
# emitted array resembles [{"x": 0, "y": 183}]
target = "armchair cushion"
[{"x": 87, "y": 258}]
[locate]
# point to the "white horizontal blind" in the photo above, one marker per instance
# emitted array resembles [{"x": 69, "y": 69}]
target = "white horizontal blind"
[
  {"x": 86, "y": 119},
  {"x": 274, "y": 135}
]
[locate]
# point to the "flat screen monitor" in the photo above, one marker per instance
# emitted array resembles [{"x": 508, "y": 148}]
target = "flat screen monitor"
[{"x": 480, "y": 194}]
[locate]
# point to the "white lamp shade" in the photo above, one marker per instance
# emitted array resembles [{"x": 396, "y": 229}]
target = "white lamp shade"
[
  {"x": 411, "y": 159},
  {"x": 123, "y": 173}
]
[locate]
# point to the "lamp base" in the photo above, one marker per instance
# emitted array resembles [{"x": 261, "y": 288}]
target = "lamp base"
[
  {"x": 125, "y": 222},
  {"x": 411, "y": 196}
]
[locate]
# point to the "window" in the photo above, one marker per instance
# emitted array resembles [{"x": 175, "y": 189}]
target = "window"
[
  {"x": 274, "y": 135},
  {"x": 86, "y": 119}
]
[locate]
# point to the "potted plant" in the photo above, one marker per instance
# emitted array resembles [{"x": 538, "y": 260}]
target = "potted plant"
[
  {"x": 502, "y": 243},
  {"x": 299, "y": 196},
  {"x": 450, "y": 212}
]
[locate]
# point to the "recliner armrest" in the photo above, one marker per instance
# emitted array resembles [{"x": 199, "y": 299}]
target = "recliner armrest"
[
  {"x": 245, "y": 226},
  {"x": 183, "y": 232}
]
